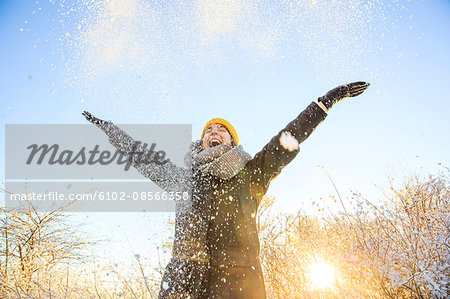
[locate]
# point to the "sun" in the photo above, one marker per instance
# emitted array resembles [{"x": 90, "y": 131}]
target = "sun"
[{"x": 321, "y": 274}]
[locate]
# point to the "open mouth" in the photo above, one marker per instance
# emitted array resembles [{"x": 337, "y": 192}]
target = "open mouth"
[{"x": 214, "y": 142}]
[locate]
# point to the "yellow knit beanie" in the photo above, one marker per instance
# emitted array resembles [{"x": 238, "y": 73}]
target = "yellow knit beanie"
[{"x": 227, "y": 125}]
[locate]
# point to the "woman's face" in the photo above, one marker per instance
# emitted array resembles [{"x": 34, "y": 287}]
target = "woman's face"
[{"x": 215, "y": 135}]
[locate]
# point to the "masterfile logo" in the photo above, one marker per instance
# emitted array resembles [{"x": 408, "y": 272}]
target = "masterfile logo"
[{"x": 138, "y": 155}]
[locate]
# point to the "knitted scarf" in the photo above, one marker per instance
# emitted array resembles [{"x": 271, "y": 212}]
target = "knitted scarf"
[{"x": 221, "y": 161}]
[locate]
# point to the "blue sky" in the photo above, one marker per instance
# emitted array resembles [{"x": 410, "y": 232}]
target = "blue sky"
[{"x": 256, "y": 64}]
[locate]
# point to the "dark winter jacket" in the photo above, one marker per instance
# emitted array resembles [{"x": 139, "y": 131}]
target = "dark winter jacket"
[{"x": 216, "y": 247}]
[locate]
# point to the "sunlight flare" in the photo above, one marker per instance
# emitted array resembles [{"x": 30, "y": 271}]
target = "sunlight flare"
[{"x": 321, "y": 274}]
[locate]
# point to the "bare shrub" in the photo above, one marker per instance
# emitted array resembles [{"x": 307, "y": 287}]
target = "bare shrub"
[
  {"x": 37, "y": 251},
  {"x": 407, "y": 238},
  {"x": 397, "y": 248}
]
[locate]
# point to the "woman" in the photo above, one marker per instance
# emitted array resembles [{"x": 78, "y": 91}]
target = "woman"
[{"x": 216, "y": 247}]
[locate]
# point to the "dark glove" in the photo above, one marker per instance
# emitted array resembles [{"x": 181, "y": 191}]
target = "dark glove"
[
  {"x": 344, "y": 91},
  {"x": 102, "y": 124}
]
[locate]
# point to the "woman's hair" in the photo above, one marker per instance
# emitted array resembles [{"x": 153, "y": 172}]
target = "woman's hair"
[{"x": 233, "y": 142}]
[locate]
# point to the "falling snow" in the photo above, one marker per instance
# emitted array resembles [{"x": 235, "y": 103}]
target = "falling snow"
[{"x": 111, "y": 36}]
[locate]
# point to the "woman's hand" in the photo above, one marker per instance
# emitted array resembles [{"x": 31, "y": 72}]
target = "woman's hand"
[
  {"x": 343, "y": 91},
  {"x": 102, "y": 124}
]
